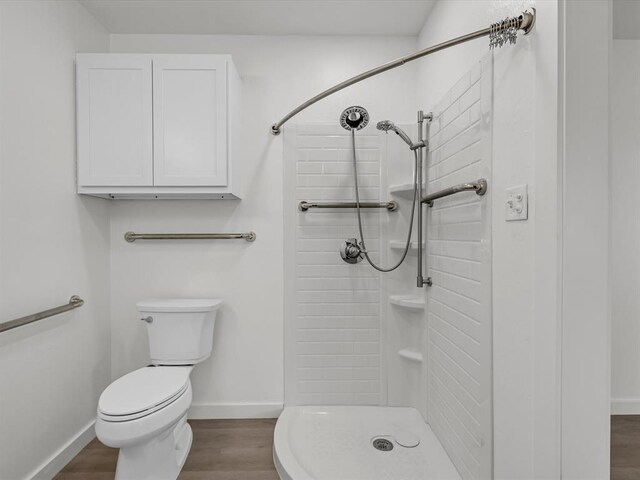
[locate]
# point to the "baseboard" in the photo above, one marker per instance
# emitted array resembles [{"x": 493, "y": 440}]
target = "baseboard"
[
  {"x": 63, "y": 456},
  {"x": 205, "y": 411},
  {"x": 625, "y": 406}
]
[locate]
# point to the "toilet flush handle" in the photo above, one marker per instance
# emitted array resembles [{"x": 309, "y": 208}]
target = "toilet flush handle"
[{"x": 148, "y": 319}]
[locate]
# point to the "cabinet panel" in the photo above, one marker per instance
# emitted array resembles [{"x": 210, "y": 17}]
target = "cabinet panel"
[
  {"x": 115, "y": 136},
  {"x": 190, "y": 120}
]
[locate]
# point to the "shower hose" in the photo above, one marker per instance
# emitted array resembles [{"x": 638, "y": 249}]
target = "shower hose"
[{"x": 363, "y": 247}]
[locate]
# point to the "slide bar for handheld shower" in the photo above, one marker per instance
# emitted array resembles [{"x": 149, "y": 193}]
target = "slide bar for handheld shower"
[{"x": 523, "y": 22}]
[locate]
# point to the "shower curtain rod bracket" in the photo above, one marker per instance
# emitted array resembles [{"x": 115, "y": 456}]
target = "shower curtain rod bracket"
[{"x": 528, "y": 21}]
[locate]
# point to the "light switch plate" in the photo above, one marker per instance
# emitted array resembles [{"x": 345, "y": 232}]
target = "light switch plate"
[{"x": 517, "y": 203}]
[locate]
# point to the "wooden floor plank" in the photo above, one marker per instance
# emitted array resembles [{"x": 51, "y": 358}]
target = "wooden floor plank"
[
  {"x": 221, "y": 450},
  {"x": 242, "y": 450},
  {"x": 625, "y": 447}
]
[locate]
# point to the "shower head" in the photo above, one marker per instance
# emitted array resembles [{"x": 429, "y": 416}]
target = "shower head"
[
  {"x": 386, "y": 125},
  {"x": 354, "y": 118}
]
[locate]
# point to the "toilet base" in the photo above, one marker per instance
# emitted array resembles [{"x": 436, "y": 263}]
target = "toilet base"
[
  {"x": 183, "y": 439},
  {"x": 159, "y": 458}
]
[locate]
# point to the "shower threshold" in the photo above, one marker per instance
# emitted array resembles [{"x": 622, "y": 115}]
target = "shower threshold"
[{"x": 343, "y": 443}]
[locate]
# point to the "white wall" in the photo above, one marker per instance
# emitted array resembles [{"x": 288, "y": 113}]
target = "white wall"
[
  {"x": 625, "y": 227},
  {"x": 625, "y": 14},
  {"x": 53, "y": 243},
  {"x": 525, "y": 284},
  {"x": 245, "y": 374},
  {"x": 586, "y": 355}
]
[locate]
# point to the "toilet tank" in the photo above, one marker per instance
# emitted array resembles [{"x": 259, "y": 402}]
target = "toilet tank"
[{"x": 180, "y": 330}]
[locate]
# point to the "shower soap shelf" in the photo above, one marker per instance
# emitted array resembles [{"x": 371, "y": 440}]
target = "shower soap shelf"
[
  {"x": 402, "y": 190},
  {"x": 407, "y": 301},
  {"x": 411, "y": 355},
  {"x": 400, "y": 244}
]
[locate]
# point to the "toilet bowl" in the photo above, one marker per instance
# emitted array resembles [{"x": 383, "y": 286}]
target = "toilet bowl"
[{"x": 144, "y": 413}]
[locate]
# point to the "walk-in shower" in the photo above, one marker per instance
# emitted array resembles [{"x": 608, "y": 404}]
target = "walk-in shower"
[{"x": 381, "y": 383}]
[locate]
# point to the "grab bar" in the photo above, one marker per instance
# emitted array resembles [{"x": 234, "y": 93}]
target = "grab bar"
[
  {"x": 132, "y": 237},
  {"x": 74, "y": 302},
  {"x": 392, "y": 206},
  {"x": 480, "y": 187}
]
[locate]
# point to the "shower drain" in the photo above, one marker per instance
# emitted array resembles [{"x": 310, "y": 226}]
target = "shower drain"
[{"x": 382, "y": 444}]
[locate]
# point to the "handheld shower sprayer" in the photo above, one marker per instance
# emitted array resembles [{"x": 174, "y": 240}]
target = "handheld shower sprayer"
[{"x": 388, "y": 125}]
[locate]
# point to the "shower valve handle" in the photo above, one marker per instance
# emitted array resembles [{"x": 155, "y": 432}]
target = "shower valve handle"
[{"x": 351, "y": 252}]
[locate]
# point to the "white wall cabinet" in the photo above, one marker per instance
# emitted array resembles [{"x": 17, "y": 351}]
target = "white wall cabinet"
[
  {"x": 157, "y": 126},
  {"x": 115, "y": 130}
]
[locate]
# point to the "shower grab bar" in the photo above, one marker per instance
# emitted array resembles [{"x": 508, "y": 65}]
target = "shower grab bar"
[
  {"x": 303, "y": 206},
  {"x": 480, "y": 187},
  {"x": 500, "y": 33},
  {"x": 132, "y": 237},
  {"x": 74, "y": 302}
]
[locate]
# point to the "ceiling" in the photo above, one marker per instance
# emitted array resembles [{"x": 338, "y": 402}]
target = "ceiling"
[{"x": 262, "y": 17}]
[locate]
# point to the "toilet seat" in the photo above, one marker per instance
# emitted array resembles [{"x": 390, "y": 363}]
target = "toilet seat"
[
  {"x": 119, "y": 433},
  {"x": 143, "y": 392}
]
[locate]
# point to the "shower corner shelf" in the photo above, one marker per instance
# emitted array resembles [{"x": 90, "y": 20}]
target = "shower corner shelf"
[
  {"x": 407, "y": 301},
  {"x": 403, "y": 190},
  {"x": 411, "y": 355},
  {"x": 400, "y": 244}
]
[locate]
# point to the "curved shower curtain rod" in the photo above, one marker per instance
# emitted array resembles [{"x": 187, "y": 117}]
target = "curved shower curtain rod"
[{"x": 499, "y": 34}]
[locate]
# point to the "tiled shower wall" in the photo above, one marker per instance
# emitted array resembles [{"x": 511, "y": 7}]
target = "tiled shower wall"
[
  {"x": 332, "y": 329},
  {"x": 459, "y": 261}
]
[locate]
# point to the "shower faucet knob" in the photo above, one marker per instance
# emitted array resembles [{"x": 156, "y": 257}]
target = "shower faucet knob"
[{"x": 352, "y": 251}]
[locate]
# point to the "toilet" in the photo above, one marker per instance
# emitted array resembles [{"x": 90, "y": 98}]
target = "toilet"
[{"x": 144, "y": 413}]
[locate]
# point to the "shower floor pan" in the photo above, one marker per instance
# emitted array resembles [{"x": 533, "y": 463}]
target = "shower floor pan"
[{"x": 337, "y": 443}]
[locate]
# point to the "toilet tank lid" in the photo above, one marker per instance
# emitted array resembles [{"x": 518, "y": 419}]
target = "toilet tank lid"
[{"x": 179, "y": 305}]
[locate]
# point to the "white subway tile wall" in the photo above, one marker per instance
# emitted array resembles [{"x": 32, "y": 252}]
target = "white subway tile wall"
[
  {"x": 459, "y": 261},
  {"x": 336, "y": 312}
]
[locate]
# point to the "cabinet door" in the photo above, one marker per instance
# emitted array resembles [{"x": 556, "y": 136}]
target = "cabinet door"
[
  {"x": 190, "y": 120},
  {"x": 115, "y": 131}
]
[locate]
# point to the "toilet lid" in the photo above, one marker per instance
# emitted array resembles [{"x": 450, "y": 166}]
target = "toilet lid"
[{"x": 143, "y": 389}]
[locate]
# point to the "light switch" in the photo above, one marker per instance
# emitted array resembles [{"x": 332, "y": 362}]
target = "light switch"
[{"x": 517, "y": 203}]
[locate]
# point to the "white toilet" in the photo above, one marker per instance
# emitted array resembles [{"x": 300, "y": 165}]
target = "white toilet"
[{"x": 144, "y": 413}]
